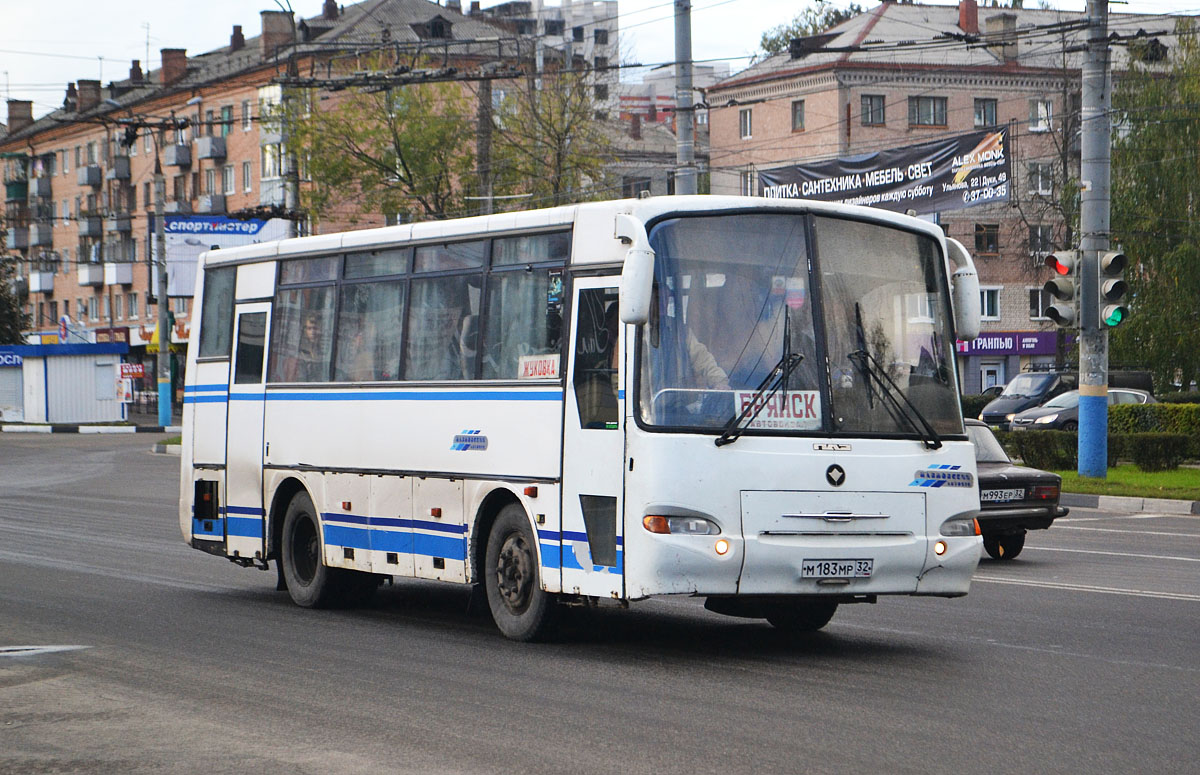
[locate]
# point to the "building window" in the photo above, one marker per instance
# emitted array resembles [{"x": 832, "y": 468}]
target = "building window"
[
  {"x": 600, "y": 36},
  {"x": 228, "y": 180},
  {"x": 927, "y": 111},
  {"x": 272, "y": 156},
  {"x": 985, "y": 112},
  {"x": 797, "y": 115},
  {"x": 1041, "y": 114},
  {"x": 210, "y": 181},
  {"x": 91, "y": 153},
  {"x": 226, "y": 120},
  {"x": 633, "y": 187},
  {"x": 600, "y": 91},
  {"x": 746, "y": 180},
  {"x": 247, "y": 175},
  {"x": 1041, "y": 178},
  {"x": 131, "y": 302},
  {"x": 987, "y": 239},
  {"x": 1039, "y": 301},
  {"x": 66, "y": 162},
  {"x": 146, "y": 195},
  {"x": 872, "y": 110},
  {"x": 119, "y": 307},
  {"x": 554, "y": 26},
  {"x": 600, "y": 63},
  {"x": 745, "y": 122},
  {"x": 577, "y": 34},
  {"x": 1041, "y": 240},
  {"x": 989, "y": 303}
]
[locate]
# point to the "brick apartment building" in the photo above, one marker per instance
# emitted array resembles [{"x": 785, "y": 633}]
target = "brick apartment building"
[
  {"x": 78, "y": 203},
  {"x": 903, "y": 74}
]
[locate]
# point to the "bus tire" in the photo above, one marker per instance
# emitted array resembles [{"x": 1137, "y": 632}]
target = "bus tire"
[
  {"x": 802, "y": 616},
  {"x": 310, "y": 582},
  {"x": 522, "y": 610}
]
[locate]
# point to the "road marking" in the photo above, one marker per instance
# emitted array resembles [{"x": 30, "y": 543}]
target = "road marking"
[
  {"x": 1090, "y": 588},
  {"x": 28, "y": 651},
  {"x": 1112, "y": 554},
  {"x": 1110, "y": 518},
  {"x": 1128, "y": 532}
]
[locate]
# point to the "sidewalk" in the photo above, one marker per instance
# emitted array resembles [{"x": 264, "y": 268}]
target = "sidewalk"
[
  {"x": 85, "y": 428},
  {"x": 1131, "y": 505}
]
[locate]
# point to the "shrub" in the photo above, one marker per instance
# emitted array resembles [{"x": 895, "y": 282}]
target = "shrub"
[
  {"x": 1051, "y": 450},
  {"x": 1156, "y": 451},
  {"x": 1190, "y": 397},
  {"x": 1183, "y": 419},
  {"x": 973, "y": 405}
]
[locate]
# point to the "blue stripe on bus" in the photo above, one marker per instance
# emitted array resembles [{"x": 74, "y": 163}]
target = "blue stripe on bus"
[
  {"x": 204, "y": 388},
  {"x": 415, "y": 524},
  {"x": 217, "y": 529},
  {"x": 421, "y": 395},
  {"x": 396, "y": 541},
  {"x": 204, "y": 399},
  {"x": 569, "y": 562},
  {"x": 252, "y": 510},
  {"x": 571, "y": 535},
  {"x": 244, "y": 527}
]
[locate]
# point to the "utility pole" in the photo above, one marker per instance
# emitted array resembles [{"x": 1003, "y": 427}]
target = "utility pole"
[
  {"x": 1095, "y": 163},
  {"x": 685, "y": 119},
  {"x": 164, "y": 323}
]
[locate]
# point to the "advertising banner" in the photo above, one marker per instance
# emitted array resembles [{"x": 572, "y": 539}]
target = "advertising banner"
[
  {"x": 188, "y": 236},
  {"x": 949, "y": 174}
]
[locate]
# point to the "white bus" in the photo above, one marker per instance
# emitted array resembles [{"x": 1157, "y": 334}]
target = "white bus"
[{"x": 752, "y": 401}]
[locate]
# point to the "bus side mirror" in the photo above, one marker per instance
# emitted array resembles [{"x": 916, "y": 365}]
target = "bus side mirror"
[
  {"x": 964, "y": 292},
  {"x": 637, "y": 275}
]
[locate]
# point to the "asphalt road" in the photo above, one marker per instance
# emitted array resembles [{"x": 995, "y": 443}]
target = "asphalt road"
[{"x": 1079, "y": 656}]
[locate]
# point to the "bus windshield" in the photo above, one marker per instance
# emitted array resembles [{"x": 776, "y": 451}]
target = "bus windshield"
[{"x": 813, "y": 324}]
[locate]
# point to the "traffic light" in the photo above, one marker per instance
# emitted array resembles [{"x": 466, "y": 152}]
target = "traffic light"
[
  {"x": 1112, "y": 288},
  {"x": 1064, "y": 287}
]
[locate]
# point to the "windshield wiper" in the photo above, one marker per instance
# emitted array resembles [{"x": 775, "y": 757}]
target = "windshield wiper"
[
  {"x": 888, "y": 391},
  {"x": 779, "y": 376}
]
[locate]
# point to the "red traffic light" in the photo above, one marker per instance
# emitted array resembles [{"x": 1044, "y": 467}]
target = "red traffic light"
[{"x": 1062, "y": 263}]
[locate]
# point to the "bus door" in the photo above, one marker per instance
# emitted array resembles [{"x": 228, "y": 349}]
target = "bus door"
[
  {"x": 593, "y": 561},
  {"x": 244, "y": 433}
]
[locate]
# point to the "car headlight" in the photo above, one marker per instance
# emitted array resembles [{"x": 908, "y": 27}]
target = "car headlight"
[
  {"x": 1046, "y": 420},
  {"x": 1010, "y": 416},
  {"x": 980, "y": 417}
]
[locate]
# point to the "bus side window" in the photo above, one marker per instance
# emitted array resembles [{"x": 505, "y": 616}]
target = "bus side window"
[
  {"x": 216, "y": 324},
  {"x": 302, "y": 338},
  {"x": 596, "y": 372},
  {"x": 524, "y": 320},
  {"x": 436, "y": 314}
]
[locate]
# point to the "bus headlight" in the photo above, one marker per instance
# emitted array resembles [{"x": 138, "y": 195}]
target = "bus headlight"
[
  {"x": 697, "y": 526},
  {"x": 960, "y": 526}
]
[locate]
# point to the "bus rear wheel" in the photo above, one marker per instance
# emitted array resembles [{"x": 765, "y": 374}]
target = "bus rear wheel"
[
  {"x": 802, "y": 616},
  {"x": 310, "y": 582},
  {"x": 520, "y": 607}
]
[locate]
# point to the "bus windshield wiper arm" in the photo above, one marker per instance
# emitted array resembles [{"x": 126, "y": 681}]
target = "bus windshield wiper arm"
[
  {"x": 778, "y": 376},
  {"x": 888, "y": 392}
]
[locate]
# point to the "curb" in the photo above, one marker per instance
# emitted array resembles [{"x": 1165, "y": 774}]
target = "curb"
[
  {"x": 13, "y": 428},
  {"x": 1135, "y": 505},
  {"x": 167, "y": 449}
]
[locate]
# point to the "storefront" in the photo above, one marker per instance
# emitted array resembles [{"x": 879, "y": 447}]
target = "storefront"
[{"x": 997, "y": 356}]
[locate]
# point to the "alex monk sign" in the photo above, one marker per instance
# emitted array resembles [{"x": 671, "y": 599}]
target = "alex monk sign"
[{"x": 950, "y": 174}]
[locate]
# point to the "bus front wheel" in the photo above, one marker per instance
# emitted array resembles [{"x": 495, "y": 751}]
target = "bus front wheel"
[
  {"x": 520, "y": 607},
  {"x": 802, "y": 616}
]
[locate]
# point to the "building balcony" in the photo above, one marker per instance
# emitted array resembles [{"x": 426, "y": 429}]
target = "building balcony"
[
  {"x": 16, "y": 190},
  {"x": 89, "y": 226},
  {"x": 210, "y": 147},
  {"x": 178, "y": 207},
  {"x": 177, "y": 156},
  {"x": 18, "y": 238},
  {"x": 41, "y": 235},
  {"x": 91, "y": 274},
  {"x": 119, "y": 222},
  {"x": 90, "y": 175},
  {"x": 41, "y": 282},
  {"x": 272, "y": 191},
  {"x": 118, "y": 168},
  {"x": 39, "y": 187},
  {"x": 118, "y": 273},
  {"x": 211, "y": 204}
]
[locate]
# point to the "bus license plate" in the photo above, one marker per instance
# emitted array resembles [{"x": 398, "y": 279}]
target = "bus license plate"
[
  {"x": 1002, "y": 496},
  {"x": 836, "y": 569}
]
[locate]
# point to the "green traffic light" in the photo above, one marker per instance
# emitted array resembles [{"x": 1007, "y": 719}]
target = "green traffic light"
[{"x": 1113, "y": 315}]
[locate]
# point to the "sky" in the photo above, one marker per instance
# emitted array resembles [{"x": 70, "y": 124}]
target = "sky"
[{"x": 44, "y": 45}]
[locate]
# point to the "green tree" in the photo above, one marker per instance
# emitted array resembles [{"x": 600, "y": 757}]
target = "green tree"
[
  {"x": 405, "y": 149},
  {"x": 1156, "y": 206},
  {"x": 13, "y": 319},
  {"x": 548, "y": 141},
  {"x": 812, "y": 20}
]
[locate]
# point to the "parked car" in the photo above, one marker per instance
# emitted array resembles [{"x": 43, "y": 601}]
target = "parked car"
[
  {"x": 1012, "y": 499},
  {"x": 1024, "y": 391},
  {"x": 992, "y": 391},
  {"x": 1062, "y": 411}
]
